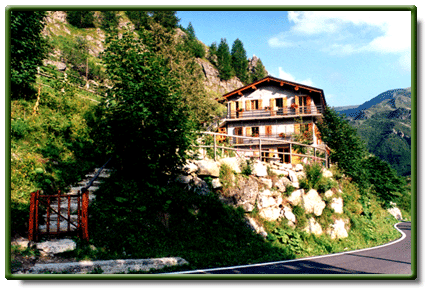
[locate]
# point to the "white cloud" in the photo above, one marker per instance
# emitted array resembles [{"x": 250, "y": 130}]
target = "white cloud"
[
  {"x": 347, "y": 32},
  {"x": 287, "y": 76}
]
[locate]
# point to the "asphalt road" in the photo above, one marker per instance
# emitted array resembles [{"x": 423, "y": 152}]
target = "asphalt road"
[{"x": 391, "y": 258}]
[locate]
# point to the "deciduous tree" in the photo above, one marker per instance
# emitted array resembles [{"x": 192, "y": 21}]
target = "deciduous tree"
[{"x": 28, "y": 49}]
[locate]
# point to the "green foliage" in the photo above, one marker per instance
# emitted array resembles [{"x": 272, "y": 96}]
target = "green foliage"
[
  {"x": 191, "y": 43},
  {"x": 148, "y": 139},
  {"x": 81, "y": 18},
  {"x": 384, "y": 180},
  {"x": 290, "y": 238},
  {"x": 28, "y": 49},
  {"x": 145, "y": 19},
  {"x": 314, "y": 178},
  {"x": 213, "y": 50},
  {"x": 347, "y": 149},
  {"x": 247, "y": 167},
  {"x": 224, "y": 60},
  {"x": 198, "y": 228},
  {"x": 289, "y": 189},
  {"x": 259, "y": 71},
  {"x": 109, "y": 19},
  {"x": 239, "y": 61}
]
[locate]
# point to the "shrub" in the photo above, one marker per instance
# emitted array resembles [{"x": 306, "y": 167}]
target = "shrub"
[
  {"x": 247, "y": 167},
  {"x": 81, "y": 19}
]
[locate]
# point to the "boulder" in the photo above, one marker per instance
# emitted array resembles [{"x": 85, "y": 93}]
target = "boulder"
[
  {"x": 288, "y": 214},
  {"x": 326, "y": 173},
  {"x": 232, "y": 162},
  {"x": 56, "y": 246},
  {"x": 269, "y": 205},
  {"x": 216, "y": 183},
  {"x": 395, "y": 212},
  {"x": 299, "y": 167},
  {"x": 200, "y": 186},
  {"x": 279, "y": 184},
  {"x": 259, "y": 229},
  {"x": 245, "y": 191},
  {"x": 313, "y": 227},
  {"x": 296, "y": 197},
  {"x": 338, "y": 230},
  {"x": 270, "y": 213},
  {"x": 329, "y": 194},
  {"x": 190, "y": 168},
  {"x": 259, "y": 169},
  {"x": 207, "y": 167},
  {"x": 185, "y": 179},
  {"x": 268, "y": 199},
  {"x": 313, "y": 203},
  {"x": 337, "y": 205},
  {"x": 267, "y": 182}
]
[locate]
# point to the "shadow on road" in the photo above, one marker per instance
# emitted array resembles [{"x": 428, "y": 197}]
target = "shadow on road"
[{"x": 302, "y": 267}]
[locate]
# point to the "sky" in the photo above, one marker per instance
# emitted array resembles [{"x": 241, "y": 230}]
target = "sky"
[{"x": 352, "y": 55}]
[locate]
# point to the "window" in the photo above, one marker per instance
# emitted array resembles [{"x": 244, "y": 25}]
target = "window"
[
  {"x": 255, "y": 131},
  {"x": 255, "y": 104},
  {"x": 279, "y": 102}
]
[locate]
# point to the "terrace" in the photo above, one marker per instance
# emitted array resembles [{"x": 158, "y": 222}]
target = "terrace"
[{"x": 278, "y": 112}]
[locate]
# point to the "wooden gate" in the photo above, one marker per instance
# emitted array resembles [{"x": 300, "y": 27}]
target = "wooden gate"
[{"x": 60, "y": 214}]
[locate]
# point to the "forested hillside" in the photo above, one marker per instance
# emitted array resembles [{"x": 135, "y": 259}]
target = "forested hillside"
[{"x": 384, "y": 123}]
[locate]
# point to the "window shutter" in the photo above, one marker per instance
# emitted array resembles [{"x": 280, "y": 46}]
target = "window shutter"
[
  {"x": 248, "y": 131},
  {"x": 260, "y": 103},
  {"x": 268, "y": 130},
  {"x": 284, "y": 102},
  {"x": 272, "y": 102},
  {"x": 248, "y": 105},
  {"x": 296, "y": 128}
]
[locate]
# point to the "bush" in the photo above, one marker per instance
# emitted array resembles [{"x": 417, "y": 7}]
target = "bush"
[
  {"x": 247, "y": 167},
  {"x": 81, "y": 19}
]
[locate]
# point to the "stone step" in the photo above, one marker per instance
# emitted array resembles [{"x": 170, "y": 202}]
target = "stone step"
[
  {"x": 108, "y": 266},
  {"x": 53, "y": 226}
]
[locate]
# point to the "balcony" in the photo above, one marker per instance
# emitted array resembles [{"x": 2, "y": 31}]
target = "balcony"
[{"x": 281, "y": 112}]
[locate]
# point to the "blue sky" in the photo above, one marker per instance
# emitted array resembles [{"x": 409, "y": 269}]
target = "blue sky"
[{"x": 352, "y": 55}]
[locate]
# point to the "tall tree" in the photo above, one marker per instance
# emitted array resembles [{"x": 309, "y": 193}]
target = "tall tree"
[
  {"x": 81, "y": 18},
  {"x": 144, "y": 116},
  {"x": 191, "y": 43},
  {"x": 259, "y": 71},
  {"x": 347, "y": 148},
  {"x": 143, "y": 19},
  {"x": 213, "y": 49},
  {"x": 224, "y": 60},
  {"x": 28, "y": 49},
  {"x": 239, "y": 61}
]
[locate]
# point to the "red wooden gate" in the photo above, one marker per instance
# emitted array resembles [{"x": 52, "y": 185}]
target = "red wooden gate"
[{"x": 61, "y": 207}]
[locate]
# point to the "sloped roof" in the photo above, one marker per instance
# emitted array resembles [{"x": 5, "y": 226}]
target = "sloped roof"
[{"x": 281, "y": 82}]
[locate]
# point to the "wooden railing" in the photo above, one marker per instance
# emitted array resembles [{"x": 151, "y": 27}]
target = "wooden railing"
[
  {"x": 252, "y": 147},
  {"x": 279, "y": 112}
]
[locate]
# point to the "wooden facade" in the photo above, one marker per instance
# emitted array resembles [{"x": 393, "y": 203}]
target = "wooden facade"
[{"x": 274, "y": 108}]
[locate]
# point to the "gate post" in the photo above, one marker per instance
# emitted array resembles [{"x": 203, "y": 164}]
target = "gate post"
[
  {"x": 32, "y": 220},
  {"x": 84, "y": 217}
]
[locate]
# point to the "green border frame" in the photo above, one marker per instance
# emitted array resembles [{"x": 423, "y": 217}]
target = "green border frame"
[{"x": 414, "y": 149}]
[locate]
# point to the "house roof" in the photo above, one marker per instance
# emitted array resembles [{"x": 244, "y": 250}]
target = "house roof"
[{"x": 281, "y": 82}]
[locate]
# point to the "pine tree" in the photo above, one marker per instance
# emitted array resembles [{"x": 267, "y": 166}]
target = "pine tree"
[
  {"x": 239, "y": 61},
  {"x": 212, "y": 57},
  {"x": 224, "y": 60},
  {"x": 259, "y": 71}
]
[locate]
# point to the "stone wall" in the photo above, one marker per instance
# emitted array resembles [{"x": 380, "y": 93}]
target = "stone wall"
[{"x": 268, "y": 192}]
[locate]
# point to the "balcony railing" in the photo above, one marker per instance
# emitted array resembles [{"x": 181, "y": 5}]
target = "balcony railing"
[{"x": 279, "y": 112}]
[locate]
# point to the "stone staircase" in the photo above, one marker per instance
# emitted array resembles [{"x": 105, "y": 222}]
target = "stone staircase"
[{"x": 64, "y": 203}]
